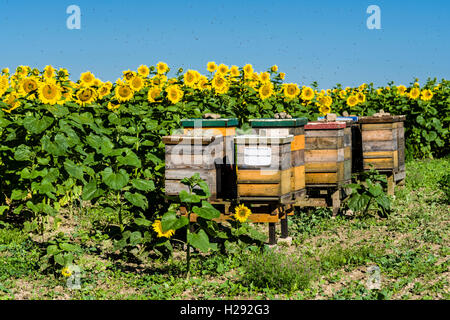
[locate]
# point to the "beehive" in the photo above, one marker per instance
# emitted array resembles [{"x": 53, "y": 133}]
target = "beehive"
[
  {"x": 222, "y": 127},
  {"x": 357, "y": 154},
  {"x": 225, "y": 128},
  {"x": 263, "y": 166},
  {"x": 283, "y": 127},
  {"x": 328, "y": 156},
  {"x": 383, "y": 139},
  {"x": 187, "y": 155}
]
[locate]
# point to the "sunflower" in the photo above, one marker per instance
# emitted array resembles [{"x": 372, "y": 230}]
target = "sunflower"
[
  {"x": 174, "y": 93},
  {"x": 282, "y": 75},
  {"x": 49, "y": 92},
  {"x": 22, "y": 71},
  {"x": 159, "y": 80},
  {"x": 128, "y": 74},
  {"x": 266, "y": 90},
  {"x": 426, "y": 95},
  {"x": 352, "y": 100},
  {"x": 362, "y": 87},
  {"x": 223, "y": 89},
  {"x": 143, "y": 70},
  {"x": 157, "y": 227},
  {"x": 324, "y": 110},
  {"x": 162, "y": 68},
  {"x": 27, "y": 86},
  {"x": 85, "y": 96},
  {"x": 4, "y": 84},
  {"x": 401, "y": 90},
  {"x": 12, "y": 100},
  {"x": 124, "y": 92},
  {"x": 234, "y": 71},
  {"x": 361, "y": 97},
  {"x": 307, "y": 94},
  {"x": 190, "y": 78},
  {"x": 218, "y": 81},
  {"x": 103, "y": 91},
  {"x": 87, "y": 79},
  {"x": 223, "y": 69},
  {"x": 248, "y": 69},
  {"x": 211, "y": 66},
  {"x": 113, "y": 105},
  {"x": 66, "y": 272},
  {"x": 264, "y": 77},
  {"x": 242, "y": 213},
  {"x": 49, "y": 72},
  {"x": 379, "y": 91},
  {"x": 153, "y": 93},
  {"x": 290, "y": 90},
  {"x": 5, "y": 70},
  {"x": 136, "y": 83},
  {"x": 274, "y": 68},
  {"x": 414, "y": 93},
  {"x": 202, "y": 83}
]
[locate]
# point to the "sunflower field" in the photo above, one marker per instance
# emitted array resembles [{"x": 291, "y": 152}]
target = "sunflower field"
[{"x": 65, "y": 141}]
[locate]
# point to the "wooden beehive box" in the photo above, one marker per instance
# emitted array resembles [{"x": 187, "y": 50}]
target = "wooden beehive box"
[
  {"x": 225, "y": 128},
  {"x": 283, "y": 127},
  {"x": 264, "y": 168},
  {"x": 383, "y": 139},
  {"x": 357, "y": 154},
  {"x": 187, "y": 155},
  {"x": 222, "y": 127},
  {"x": 328, "y": 155}
]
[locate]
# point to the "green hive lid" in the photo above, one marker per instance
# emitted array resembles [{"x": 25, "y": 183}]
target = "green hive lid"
[
  {"x": 278, "y": 123},
  {"x": 209, "y": 123}
]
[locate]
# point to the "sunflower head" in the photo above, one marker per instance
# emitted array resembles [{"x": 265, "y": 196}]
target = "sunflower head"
[
  {"x": 264, "y": 77},
  {"x": 352, "y": 100},
  {"x": 307, "y": 94},
  {"x": 136, "y": 83},
  {"x": 426, "y": 95},
  {"x": 211, "y": 66},
  {"x": 242, "y": 213},
  {"x": 274, "y": 68},
  {"x": 414, "y": 93},
  {"x": 174, "y": 93},
  {"x": 266, "y": 90},
  {"x": 291, "y": 90},
  {"x": 66, "y": 272},
  {"x": 113, "y": 105},
  {"x": 223, "y": 69},
  {"x": 85, "y": 96},
  {"x": 124, "y": 92},
  {"x": 49, "y": 72},
  {"x": 361, "y": 97},
  {"x": 87, "y": 79},
  {"x": 190, "y": 78},
  {"x": 248, "y": 69},
  {"x": 49, "y": 92},
  {"x": 157, "y": 227},
  {"x": 401, "y": 90},
  {"x": 143, "y": 71},
  {"x": 282, "y": 75},
  {"x": 153, "y": 93},
  {"x": 234, "y": 71},
  {"x": 162, "y": 68}
]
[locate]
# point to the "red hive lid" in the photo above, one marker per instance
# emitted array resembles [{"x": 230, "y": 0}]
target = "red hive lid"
[{"x": 319, "y": 125}]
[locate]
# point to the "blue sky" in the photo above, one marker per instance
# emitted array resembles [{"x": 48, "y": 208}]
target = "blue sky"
[{"x": 323, "y": 41}]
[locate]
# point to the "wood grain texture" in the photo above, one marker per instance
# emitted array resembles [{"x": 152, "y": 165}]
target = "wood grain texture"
[
  {"x": 320, "y": 143},
  {"x": 330, "y": 155}
]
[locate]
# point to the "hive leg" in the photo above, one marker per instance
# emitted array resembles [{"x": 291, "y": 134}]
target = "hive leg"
[
  {"x": 391, "y": 184},
  {"x": 284, "y": 226},
  {"x": 336, "y": 199},
  {"x": 272, "y": 236}
]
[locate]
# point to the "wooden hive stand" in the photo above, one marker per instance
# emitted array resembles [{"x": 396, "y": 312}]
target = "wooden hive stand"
[{"x": 383, "y": 139}]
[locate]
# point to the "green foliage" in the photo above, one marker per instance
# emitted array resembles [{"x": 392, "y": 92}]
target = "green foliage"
[
  {"x": 60, "y": 252},
  {"x": 444, "y": 185},
  {"x": 276, "y": 270},
  {"x": 369, "y": 191}
]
